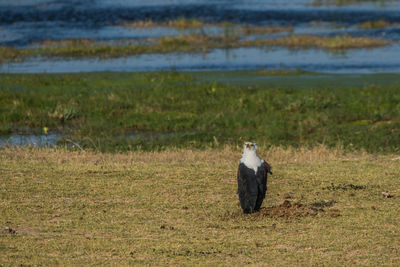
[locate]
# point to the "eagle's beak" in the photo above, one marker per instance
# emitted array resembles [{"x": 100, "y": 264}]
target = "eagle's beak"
[{"x": 249, "y": 145}]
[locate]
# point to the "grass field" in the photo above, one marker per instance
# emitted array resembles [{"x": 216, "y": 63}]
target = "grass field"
[
  {"x": 157, "y": 110},
  {"x": 179, "y": 207}
]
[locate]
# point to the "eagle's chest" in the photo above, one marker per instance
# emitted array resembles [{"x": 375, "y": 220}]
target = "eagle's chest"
[{"x": 251, "y": 161}]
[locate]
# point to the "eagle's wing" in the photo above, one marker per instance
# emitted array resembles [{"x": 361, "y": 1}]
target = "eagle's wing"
[
  {"x": 262, "y": 177},
  {"x": 239, "y": 179},
  {"x": 247, "y": 188}
]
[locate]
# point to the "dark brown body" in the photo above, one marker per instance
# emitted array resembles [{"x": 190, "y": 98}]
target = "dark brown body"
[{"x": 252, "y": 186}]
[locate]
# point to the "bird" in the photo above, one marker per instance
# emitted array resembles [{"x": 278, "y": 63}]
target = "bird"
[{"x": 252, "y": 179}]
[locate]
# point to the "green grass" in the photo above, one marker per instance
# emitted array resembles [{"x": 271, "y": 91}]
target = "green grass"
[
  {"x": 179, "y": 207},
  {"x": 129, "y": 111},
  {"x": 79, "y": 48}
]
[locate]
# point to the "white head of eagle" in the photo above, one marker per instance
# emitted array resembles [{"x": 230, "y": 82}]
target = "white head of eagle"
[
  {"x": 252, "y": 179},
  {"x": 249, "y": 156}
]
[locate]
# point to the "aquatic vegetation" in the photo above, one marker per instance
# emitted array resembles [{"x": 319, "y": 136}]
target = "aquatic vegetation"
[
  {"x": 143, "y": 24},
  {"x": 180, "y": 23},
  {"x": 184, "y": 23},
  {"x": 11, "y": 54},
  {"x": 305, "y": 41},
  {"x": 378, "y": 24},
  {"x": 250, "y": 29},
  {"x": 181, "y": 43}
]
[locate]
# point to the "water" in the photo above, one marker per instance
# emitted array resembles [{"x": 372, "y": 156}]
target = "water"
[
  {"x": 377, "y": 60},
  {"x": 53, "y": 139},
  {"x": 24, "y": 23},
  {"x": 30, "y": 140}
]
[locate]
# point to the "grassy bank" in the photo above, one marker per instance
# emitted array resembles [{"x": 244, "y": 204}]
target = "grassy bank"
[
  {"x": 123, "y": 111},
  {"x": 323, "y": 207}
]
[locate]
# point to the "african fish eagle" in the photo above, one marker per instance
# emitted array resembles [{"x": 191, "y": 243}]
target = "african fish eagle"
[{"x": 252, "y": 179}]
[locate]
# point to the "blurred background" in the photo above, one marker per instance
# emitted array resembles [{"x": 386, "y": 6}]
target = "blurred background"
[
  {"x": 150, "y": 74},
  {"x": 227, "y": 35}
]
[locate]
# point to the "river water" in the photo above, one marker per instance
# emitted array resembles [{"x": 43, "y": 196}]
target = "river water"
[{"x": 24, "y": 23}]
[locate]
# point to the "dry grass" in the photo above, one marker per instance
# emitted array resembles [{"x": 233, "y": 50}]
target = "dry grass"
[{"x": 180, "y": 207}]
